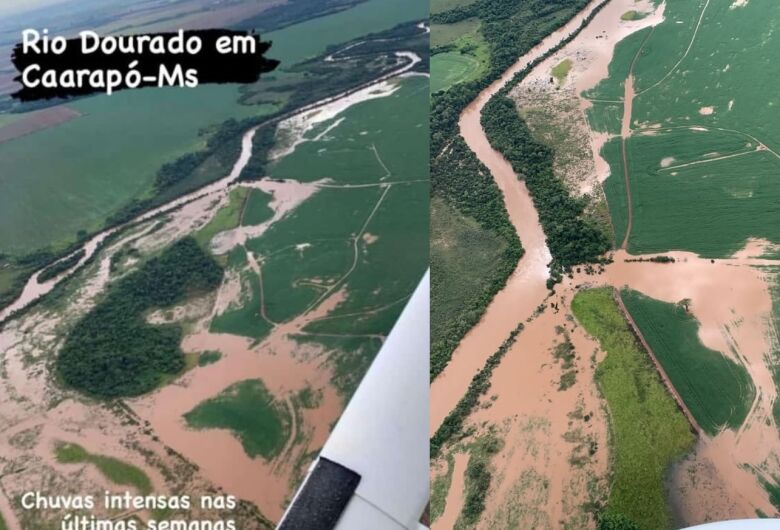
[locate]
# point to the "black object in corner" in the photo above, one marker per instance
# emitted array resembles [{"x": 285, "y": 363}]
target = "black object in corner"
[{"x": 322, "y": 499}]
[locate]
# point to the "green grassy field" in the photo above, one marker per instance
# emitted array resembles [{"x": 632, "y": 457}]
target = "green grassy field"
[
  {"x": 444, "y": 34},
  {"x": 703, "y": 91},
  {"x": 228, "y": 217},
  {"x": 632, "y": 15},
  {"x": 118, "y": 472},
  {"x": 561, "y": 70},
  {"x": 717, "y": 391},
  {"x": 462, "y": 254},
  {"x": 439, "y": 6},
  {"x": 250, "y": 412},
  {"x": 465, "y": 58},
  {"x": 451, "y": 68},
  {"x": 648, "y": 431}
]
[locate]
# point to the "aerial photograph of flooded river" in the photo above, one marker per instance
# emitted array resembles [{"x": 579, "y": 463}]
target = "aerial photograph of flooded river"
[
  {"x": 605, "y": 263},
  {"x": 193, "y": 282}
]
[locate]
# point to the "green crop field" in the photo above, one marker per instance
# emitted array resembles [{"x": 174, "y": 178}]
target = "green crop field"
[
  {"x": 716, "y": 203},
  {"x": 71, "y": 177},
  {"x": 648, "y": 431},
  {"x": 249, "y": 411},
  {"x": 307, "y": 39},
  {"x": 257, "y": 209},
  {"x": 118, "y": 472},
  {"x": 372, "y": 142},
  {"x": 364, "y": 231},
  {"x": 716, "y": 390},
  {"x": 699, "y": 98}
]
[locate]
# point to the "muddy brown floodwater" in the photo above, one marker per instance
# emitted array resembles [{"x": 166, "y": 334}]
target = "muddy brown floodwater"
[
  {"x": 454, "y": 502},
  {"x": 525, "y": 289},
  {"x": 535, "y": 484}
]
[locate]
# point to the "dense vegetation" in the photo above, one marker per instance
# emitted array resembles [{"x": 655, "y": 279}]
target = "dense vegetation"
[
  {"x": 570, "y": 238},
  {"x": 510, "y": 29},
  {"x": 648, "y": 430},
  {"x": 112, "y": 351},
  {"x": 717, "y": 391},
  {"x": 479, "y": 386},
  {"x": 61, "y": 266},
  {"x": 610, "y": 521}
]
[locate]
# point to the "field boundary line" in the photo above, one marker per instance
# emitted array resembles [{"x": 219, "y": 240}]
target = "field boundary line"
[
  {"x": 258, "y": 269},
  {"x": 684, "y": 55},
  {"x": 355, "y": 249},
  {"x": 659, "y": 368}
]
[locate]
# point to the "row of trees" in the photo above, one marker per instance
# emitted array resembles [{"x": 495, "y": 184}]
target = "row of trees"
[{"x": 61, "y": 266}]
